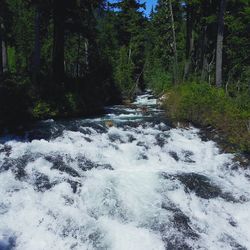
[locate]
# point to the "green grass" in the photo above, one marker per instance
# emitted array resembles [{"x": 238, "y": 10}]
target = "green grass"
[{"x": 209, "y": 106}]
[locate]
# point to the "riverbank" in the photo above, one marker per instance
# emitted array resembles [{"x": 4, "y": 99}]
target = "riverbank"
[
  {"x": 123, "y": 180},
  {"x": 227, "y": 119},
  {"x": 23, "y": 104}
]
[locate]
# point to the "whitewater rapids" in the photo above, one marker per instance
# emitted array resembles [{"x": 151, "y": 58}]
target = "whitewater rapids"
[{"x": 123, "y": 181}]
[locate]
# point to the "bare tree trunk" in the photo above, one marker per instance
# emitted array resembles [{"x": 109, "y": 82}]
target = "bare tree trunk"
[
  {"x": 189, "y": 41},
  {"x": 175, "y": 65},
  {"x": 219, "y": 48},
  {"x": 78, "y": 56},
  {"x": 1, "y": 56},
  {"x": 204, "y": 60},
  {"x": 4, "y": 56},
  {"x": 58, "y": 47},
  {"x": 3, "y": 51},
  {"x": 86, "y": 48}
]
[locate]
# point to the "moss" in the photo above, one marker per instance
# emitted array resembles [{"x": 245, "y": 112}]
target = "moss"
[{"x": 208, "y": 106}]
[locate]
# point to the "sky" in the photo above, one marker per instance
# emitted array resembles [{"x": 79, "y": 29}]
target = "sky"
[{"x": 149, "y": 4}]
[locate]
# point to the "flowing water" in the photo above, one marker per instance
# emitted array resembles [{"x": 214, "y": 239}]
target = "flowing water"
[{"x": 124, "y": 181}]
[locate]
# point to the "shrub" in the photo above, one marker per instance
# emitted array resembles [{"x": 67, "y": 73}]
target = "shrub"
[
  {"x": 124, "y": 74},
  {"x": 43, "y": 110},
  {"x": 206, "y": 105},
  {"x": 157, "y": 78}
]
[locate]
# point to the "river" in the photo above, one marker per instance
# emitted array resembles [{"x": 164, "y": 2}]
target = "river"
[{"x": 126, "y": 180}]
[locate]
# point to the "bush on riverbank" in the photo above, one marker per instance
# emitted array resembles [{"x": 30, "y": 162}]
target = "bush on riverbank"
[
  {"x": 208, "y": 106},
  {"x": 22, "y": 102}
]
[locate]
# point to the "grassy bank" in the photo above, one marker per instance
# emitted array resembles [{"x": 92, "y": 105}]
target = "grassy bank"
[{"x": 205, "y": 105}]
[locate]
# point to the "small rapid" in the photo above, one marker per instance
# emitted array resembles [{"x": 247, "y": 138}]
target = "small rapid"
[{"x": 123, "y": 181}]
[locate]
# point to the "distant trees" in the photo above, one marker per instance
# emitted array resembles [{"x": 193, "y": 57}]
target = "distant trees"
[
  {"x": 59, "y": 12},
  {"x": 206, "y": 32},
  {"x": 3, "y": 45},
  {"x": 219, "y": 48},
  {"x": 70, "y": 55},
  {"x": 131, "y": 39}
]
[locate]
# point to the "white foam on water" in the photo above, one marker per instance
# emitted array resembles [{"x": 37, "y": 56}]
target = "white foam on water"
[
  {"x": 145, "y": 100},
  {"x": 138, "y": 202}
]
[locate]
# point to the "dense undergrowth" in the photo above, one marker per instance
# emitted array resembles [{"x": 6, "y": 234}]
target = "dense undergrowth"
[
  {"x": 206, "y": 105},
  {"x": 21, "y": 102}
]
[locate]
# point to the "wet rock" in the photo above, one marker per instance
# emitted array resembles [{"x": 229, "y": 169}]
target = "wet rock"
[
  {"x": 142, "y": 144},
  {"x": 109, "y": 124},
  {"x": 74, "y": 185},
  {"x": 8, "y": 243},
  {"x": 174, "y": 155},
  {"x": 233, "y": 243},
  {"x": 68, "y": 170},
  {"x": 62, "y": 163},
  {"x": 115, "y": 138},
  {"x": 131, "y": 138},
  {"x": 229, "y": 197},
  {"x": 176, "y": 244},
  {"x": 142, "y": 157},
  {"x": 200, "y": 185},
  {"x": 6, "y": 149},
  {"x": 68, "y": 200},
  {"x": 104, "y": 166},
  {"x": 3, "y": 209},
  {"x": 143, "y": 109},
  {"x": 163, "y": 127},
  {"x": 180, "y": 221},
  {"x": 57, "y": 160},
  {"x": 167, "y": 176},
  {"x": 87, "y": 139},
  {"x": 86, "y": 164},
  {"x": 188, "y": 156},
  {"x": 42, "y": 182},
  {"x": 17, "y": 166},
  {"x": 232, "y": 222},
  {"x": 160, "y": 140},
  {"x": 178, "y": 229}
]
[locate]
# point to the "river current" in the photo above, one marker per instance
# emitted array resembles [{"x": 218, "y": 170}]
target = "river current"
[{"x": 123, "y": 181}]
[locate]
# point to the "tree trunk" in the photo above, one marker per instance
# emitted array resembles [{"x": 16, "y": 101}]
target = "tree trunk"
[
  {"x": 1, "y": 56},
  {"x": 189, "y": 41},
  {"x": 204, "y": 60},
  {"x": 37, "y": 47},
  {"x": 3, "y": 51},
  {"x": 175, "y": 65},
  {"x": 4, "y": 56},
  {"x": 58, "y": 46},
  {"x": 219, "y": 48},
  {"x": 78, "y": 56},
  {"x": 86, "y": 48}
]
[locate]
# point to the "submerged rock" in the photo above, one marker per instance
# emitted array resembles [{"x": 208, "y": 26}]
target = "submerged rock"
[
  {"x": 200, "y": 185},
  {"x": 7, "y": 243}
]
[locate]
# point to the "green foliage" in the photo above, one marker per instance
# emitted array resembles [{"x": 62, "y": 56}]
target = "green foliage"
[
  {"x": 124, "y": 74},
  {"x": 206, "y": 105},
  {"x": 157, "y": 78},
  {"x": 71, "y": 102},
  {"x": 43, "y": 110}
]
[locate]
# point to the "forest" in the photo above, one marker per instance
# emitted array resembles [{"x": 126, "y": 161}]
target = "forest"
[
  {"x": 124, "y": 127},
  {"x": 70, "y": 58}
]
